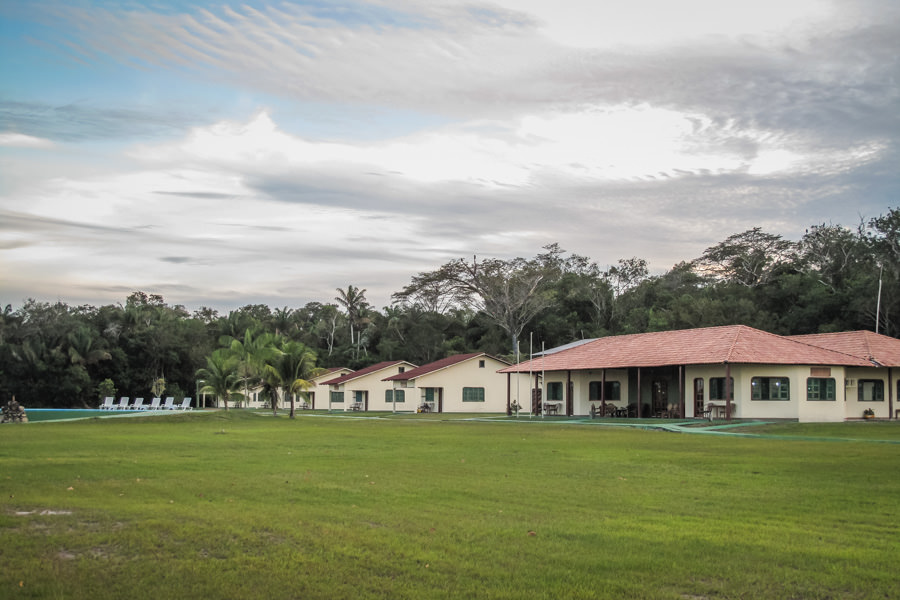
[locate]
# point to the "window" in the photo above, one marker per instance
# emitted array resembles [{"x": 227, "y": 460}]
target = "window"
[
  {"x": 473, "y": 394},
  {"x": 770, "y": 388},
  {"x": 820, "y": 388},
  {"x": 337, "y": 397},
  {"x": 554, "y": 390},
  {"x": 612, "y": 391},
  {"x": 480, "y": 364},
  {"x": 429, "y": 394},
  {"x": 358, "y": 396},
  {"x": 717, "y": 388},
  {"x": 391, "y": 396},
  {"x": 871, "y": 390},
  {"x": 402, "y": 370}
]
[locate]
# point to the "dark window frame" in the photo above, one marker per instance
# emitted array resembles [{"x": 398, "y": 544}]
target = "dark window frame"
[
  {"x": 815, "y": 386},
  {"x": 613, "y": 391},
  {"x": 770, "y": 389},
  {"x": 473, "y": 394},
  {"x": 717, "y": 388},
  {"x": 877, "y": 390}
]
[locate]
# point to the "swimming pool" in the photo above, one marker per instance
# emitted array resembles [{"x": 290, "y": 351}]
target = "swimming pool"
[{"x": 36, "y": 415}]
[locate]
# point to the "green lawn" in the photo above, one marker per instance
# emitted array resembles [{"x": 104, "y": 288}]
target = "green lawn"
[{"x": 244, "y": 505}]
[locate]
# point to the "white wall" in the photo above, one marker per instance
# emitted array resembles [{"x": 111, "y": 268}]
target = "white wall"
[{"x": 469, "y": 374}]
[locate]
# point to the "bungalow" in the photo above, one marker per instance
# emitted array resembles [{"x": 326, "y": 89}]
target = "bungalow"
[
  {"x": 729, "y": 371},
  {"x": 317, "y": 396},
  {"x": 254, "y": 397},
  {"x": 366, "y": 389},
  {"x": 460, "y": 383}
]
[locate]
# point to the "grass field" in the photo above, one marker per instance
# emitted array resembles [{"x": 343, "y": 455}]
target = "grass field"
[{"x": 246, "y": 505}]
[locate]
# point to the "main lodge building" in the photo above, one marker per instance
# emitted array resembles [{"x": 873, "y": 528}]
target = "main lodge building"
[{"x": 724, "y": 372}]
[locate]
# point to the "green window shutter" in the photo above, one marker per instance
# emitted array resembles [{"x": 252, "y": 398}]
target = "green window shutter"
[
  {"x": 770, "y": 388},
  {"x": 821, "y": 389},
  {"x": 473, "y": 394},
  {"x": 554, "y": 390}
]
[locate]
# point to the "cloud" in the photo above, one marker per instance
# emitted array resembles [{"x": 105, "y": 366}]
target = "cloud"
[
  {"x": 19, "y": 140},
  {"x": 482, "y": 128}
]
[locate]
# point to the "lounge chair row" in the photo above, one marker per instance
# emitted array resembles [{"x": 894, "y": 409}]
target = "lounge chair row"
[{"x": 109, "y": 403}]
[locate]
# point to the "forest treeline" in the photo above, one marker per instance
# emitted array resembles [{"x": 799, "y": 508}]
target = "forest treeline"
[{"x": 834, "y": 278}]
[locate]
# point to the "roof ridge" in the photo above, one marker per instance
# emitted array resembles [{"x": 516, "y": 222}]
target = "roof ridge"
[
  {"x": 438, "y": 365},
  {"x": 866, "y": 339},
  {"x": 734, "y": 341}
]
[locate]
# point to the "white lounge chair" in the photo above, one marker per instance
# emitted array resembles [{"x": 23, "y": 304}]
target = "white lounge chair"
[
  {"x": 138, "y": 404},
  {"x": 154, "y": 404},
  {"x": 169, "y": 405},
  {"x": 108, "y": 403},
  {"x": 123, "y": 403},
  {"x": 186, "y": 404}
]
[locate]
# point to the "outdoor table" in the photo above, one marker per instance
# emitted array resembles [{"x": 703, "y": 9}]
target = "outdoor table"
[{"x": 718, "y": 411}]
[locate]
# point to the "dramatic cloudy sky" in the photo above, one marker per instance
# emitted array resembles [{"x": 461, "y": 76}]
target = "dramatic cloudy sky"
[{"x": 225, "y": 153}]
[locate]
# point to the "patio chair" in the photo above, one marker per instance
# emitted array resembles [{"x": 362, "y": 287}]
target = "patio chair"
[
  {"x": 185, "y": 404},
  {"x": 170, "y": 403},
  {"x": 123, "y": 403},
  {"x": 154, "y": 404},
  {"x": 108, "y": 403},
  {"x": 138, "y": 404}
]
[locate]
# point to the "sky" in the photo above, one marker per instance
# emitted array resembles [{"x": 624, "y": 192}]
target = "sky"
[{"x": 223, "y": 154}]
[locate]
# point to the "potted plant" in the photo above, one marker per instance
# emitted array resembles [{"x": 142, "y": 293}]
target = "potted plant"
[{"x": 868, "y": 414}]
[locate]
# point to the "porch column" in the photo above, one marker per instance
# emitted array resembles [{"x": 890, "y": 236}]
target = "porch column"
[
  {"x": 603, "y": 391},
  {"x": 728, "y": 391},
  {"x": 681, "y": 406},
  {"x": 890, "y": 395},
  {"x": 570, "y": 402},
  {"x": 508, "y": 392},
  {"x": 640, "y": 408}
]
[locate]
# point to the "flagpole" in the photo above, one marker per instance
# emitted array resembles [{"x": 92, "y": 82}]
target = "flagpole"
[{"x": 543, "y": 384}]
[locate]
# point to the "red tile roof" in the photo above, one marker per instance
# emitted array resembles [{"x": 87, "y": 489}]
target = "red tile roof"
[
  {"x": 434, "y": 366},
  {"x": 709, "y": 345},
  {"x": 867, "y": 345},
  {"x": 370, "y": 369}
]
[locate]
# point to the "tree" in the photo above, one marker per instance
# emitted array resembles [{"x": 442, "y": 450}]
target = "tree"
[
  {"x": 252, "y": 352},
  {"x": 354, "y": 302},
  {"x": 750, "y": 258},
  {"x": 289, "y": 368},
  {"x": 510, "y": 292},
  {"x": 220, "y": 376},
  {"x": 884, "y": 240}
]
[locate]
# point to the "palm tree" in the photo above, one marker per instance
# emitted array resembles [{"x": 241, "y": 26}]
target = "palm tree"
[
  {"x": 220, "y": 376},
  {"x": 290, "y": 370},
  {"x": 354, "y": 302},
  {"x": 252, "y": 353}
]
